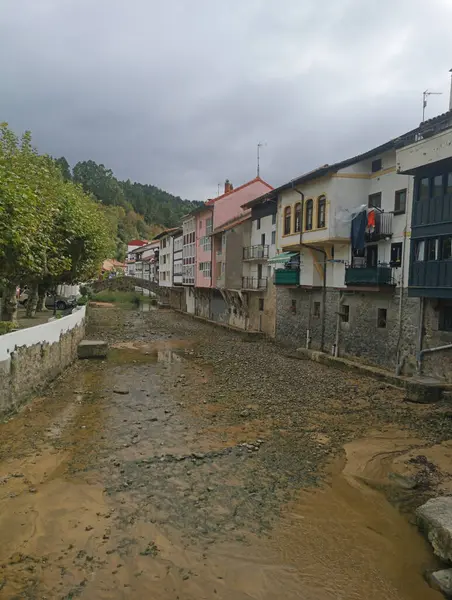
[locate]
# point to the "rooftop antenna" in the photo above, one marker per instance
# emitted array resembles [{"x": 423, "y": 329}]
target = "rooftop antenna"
[
  {"x": 259, "y": 146},
  {"x": 219, "y": 185},
  {"x": 450, "y": 97},
  {"x": 425, "y": 95}
]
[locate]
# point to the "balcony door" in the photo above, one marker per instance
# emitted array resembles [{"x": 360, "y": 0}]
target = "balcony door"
[
  {"x": 259, "y": 272},
  {"x": 372, "y": 255}
]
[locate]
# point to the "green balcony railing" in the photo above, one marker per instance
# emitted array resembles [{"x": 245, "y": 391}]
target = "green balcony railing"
[
  {"x": 380, "y": 275},
  {"x": 287, "y": 276}
]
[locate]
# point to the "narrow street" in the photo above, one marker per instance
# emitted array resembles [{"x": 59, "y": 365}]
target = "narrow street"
[{"x": 199, "y": 464}]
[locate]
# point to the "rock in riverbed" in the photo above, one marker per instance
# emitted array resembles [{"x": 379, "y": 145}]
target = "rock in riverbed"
[
  {"x": 435, "y": 519},
  {"x": 442, "y": 581}
]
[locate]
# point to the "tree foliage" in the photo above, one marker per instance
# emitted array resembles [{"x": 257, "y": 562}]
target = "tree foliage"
[{"x": 50, "y": 230}]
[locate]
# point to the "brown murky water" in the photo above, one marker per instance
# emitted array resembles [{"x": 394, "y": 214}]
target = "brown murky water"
[{"x": 127, "y": 481}]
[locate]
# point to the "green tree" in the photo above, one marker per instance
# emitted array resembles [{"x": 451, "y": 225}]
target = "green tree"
[{"x": 64, "y": 168}]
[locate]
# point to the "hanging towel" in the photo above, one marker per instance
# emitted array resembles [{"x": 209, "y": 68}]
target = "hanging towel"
[
  {"x": 358, "y": 234},
  {"x": 371, "y": 220}
]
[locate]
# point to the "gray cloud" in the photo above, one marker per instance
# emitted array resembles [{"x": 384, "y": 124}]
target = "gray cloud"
[{"x": 178, "y": 93}]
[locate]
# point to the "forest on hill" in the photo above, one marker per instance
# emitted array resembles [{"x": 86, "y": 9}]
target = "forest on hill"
[{"x": 135, "y": 210}]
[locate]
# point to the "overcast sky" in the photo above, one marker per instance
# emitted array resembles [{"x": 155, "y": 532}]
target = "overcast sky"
[{"x": 177, "y": 93}]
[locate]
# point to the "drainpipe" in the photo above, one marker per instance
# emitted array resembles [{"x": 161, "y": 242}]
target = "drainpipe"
[
  {"x": 421, "y": 354},
  {"x": 338, "y": 323}
]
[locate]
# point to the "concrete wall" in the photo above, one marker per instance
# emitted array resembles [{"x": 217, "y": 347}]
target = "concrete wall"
[
  {"x": 425, "y": 152},
  {"x": 233, "y": 255},
  {"x": 437, "y": 364},
  {"x": 202, "y": 302},
  {"x": 219, "y": 308},
  {"x": 31, "y": 358}
]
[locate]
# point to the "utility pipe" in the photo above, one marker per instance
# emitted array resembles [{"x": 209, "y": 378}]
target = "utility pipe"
[{"x": 420, "y": 334}]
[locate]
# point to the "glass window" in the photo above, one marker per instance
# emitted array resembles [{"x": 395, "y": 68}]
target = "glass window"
[
  {"x": 321, "y": 211},
  {"x": 432, "y": 249},
  {"x": 274, "y": 219},
  {"x": 298, "y": 217},
  {"x": 424, "y": 191},
  {"x": 287, "y": 220},
  {"x": 316, "y": 310},
  {"x": 446, "y": 252},
  {"x": 309, "y": 214},
  {"x": 345, "y": 314},
  {"x": 261, "y": 304},
  {"x": 273, "y": 238},
  {"x": 437, "y": 186},
  {"x": 449, "y": 183},
  {"x": 382, "y": 317},
  {"x": 376, "y": 165},
  {"x": 396, "y": 254},
  {"x": 419, "y": 251},
  {"x": 374, "y": 200},
  {"x": 258, "y": 224},
  {"x": 445, "y": 317},
  {"x": 400, "y": 201},
  {"x": 200, "y": 223}
]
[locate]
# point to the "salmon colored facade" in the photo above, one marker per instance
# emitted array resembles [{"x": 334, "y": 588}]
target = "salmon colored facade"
[{"x": 204, "y": 224}]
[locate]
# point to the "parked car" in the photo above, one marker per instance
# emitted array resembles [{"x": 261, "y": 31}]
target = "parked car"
[{"x": 51, "y": 301}]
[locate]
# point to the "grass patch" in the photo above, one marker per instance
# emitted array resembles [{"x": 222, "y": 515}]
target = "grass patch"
[{"x": 117, "y": 297}]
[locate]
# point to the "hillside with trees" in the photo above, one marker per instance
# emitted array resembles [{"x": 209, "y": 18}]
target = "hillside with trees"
[{"x": 134, "y": 210}]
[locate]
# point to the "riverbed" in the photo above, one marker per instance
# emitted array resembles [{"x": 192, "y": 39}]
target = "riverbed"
[{"x": 196, "y": 463}]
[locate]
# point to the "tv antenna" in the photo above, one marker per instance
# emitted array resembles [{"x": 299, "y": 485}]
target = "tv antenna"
[
  {"x": 425, "y": 96},
  {"x": 259, "y": 146}
]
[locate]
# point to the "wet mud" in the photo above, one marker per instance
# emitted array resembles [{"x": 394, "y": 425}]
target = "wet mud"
[{"x": 196, "y": 464}]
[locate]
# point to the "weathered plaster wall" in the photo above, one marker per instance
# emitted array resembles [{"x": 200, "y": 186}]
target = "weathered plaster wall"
[{"x": 31, "y": 358}]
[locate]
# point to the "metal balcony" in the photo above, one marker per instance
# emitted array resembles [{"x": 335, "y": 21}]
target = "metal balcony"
[
  {"x": 382, "y": 229},
  {"x": 287, "y": 276},
  {"x": 259, "y": 252},
  {"x": 254, "y": 283},
  {"x": 371, "y": 277}
]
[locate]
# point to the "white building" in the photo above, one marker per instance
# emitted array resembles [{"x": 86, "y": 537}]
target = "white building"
[
  {"x": 144, "y": 260},
  {"x": 131, "y": 257},
  {"x": 178, "y": 247},
  {"x": 166, "y": 256},
  {"x": 189, "y": 260}
]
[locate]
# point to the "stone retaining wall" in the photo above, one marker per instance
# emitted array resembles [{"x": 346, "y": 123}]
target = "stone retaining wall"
[{"x": 32, "y": 357}]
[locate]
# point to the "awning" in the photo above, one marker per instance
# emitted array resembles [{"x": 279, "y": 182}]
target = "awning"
[{"x": 282, "y": 258}]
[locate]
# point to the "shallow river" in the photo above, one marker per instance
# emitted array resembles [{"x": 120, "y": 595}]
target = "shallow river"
[{"x": 164, "y": 473}]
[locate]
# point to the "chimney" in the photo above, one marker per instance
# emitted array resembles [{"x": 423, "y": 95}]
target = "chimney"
[{"x": 228, "y": 187}]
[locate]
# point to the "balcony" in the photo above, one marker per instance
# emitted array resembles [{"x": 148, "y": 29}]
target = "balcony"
[
  {"x": 259, "y": 252},
  {"x": 368, "y": 277},
  {"x": 254, "y": 283},
  {"x": 383, "y": 227},
  {"x": 287, "y": 276}
]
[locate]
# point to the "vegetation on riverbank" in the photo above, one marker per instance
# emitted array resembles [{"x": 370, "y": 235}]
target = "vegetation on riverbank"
[{"x": 119, "y": 297}]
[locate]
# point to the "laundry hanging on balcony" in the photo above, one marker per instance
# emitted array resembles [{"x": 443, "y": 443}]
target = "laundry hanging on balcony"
[
  {"x": 358, "y": 234},
  {"x": 371, "y": 221}
]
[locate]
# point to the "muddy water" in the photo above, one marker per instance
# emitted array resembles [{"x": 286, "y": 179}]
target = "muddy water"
[{"x": 128, "y": 481}]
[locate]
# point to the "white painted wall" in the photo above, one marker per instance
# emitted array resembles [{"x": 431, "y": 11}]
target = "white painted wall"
[
  {"x": 425, "y": 152},
  {"x": 178, "y": 245},
  {"x": 46, "y": 333},
  {"x": 166, "y": 261}
]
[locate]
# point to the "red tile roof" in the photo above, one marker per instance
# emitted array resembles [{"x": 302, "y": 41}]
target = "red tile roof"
[
  {"x": 213, "y": 200},
  {"x": 137, "y": 243}
]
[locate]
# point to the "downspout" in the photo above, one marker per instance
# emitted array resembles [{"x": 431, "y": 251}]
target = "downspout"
[
  {"x": 400, "y": 359},
  {"x": 308, "y": 330},
  {"x": 338, "y": 323},
  {"x": 420, "y": 335}
]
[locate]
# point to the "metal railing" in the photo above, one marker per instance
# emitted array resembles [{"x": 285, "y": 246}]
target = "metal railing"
[
  {"x": 257, "y": 252},
  {"x": 254, "y": 283},
  {"x": 360, "y": 274}
]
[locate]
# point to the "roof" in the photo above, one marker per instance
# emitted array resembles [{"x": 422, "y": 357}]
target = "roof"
[
  {"x": 256, "y": 179},
  {"x": 232, "y": 223},
  {"x": 137, "y": 243},
  {"x": 441, "y": 122},
  {"x": 171, "y": 231}
]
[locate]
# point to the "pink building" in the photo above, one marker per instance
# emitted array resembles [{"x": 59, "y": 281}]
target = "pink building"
[{"x": 204, "y": 227}]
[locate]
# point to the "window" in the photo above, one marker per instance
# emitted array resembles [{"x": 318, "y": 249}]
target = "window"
[
  {"x": 376, "y": 165},
  {"x": 445, "y": 317},
  {"x": 294, "y": 306},
  {"x": 345, "y": 313},
  {"x": 419, "y": 251},
  {"x": 400, "y": 202},
  {"x": 298, "y": 217},
  {"x": 432, "y": 249},
  {"x": 374, "y": 200},
  {"x": 321, "y": 211},
  {"x": 274, "y": 219},
  {"x": 316, "y": 314},
  {"x": 309, "y": 214},
  {"x": 200, "y": 223},
  {"x": 273, "y": 238},
  {"x": 446, "y": 251},
  {"x": 263, "y": 239},
  {"x": 258, "y": 224},
  {"x": 424, "y": 189},
  {"x": 261, "y": 304},
  {"x": 437, "y": 186},
  {"x": 382, "y": 318},
  {"x": 332, "y": 251},
  {"x": 449, "y": 183},
  {"x": 287, "y": 220},
  {"x": 396, "y": 254},
  {"x": 209, "y": 225}
]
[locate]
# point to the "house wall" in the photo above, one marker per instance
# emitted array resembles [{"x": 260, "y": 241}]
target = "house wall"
[
  {"x": 203, "y": 256},
  {"x": 202, "y": 302},
  {"x": 233, "y": 255},
  {"x": 178, "y": 244},
  {"x": 229, "y": 206},
  {"x": 190, "y": 300},
  {"x": 436, "y": 364},
  {"x": 31, "y": 358},
  {"x": 189, "y": 251},
  {"x": 425, "y": 152},
  {"x": 219, "y": 308},
  {"x": 166, "y": 261}
]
